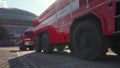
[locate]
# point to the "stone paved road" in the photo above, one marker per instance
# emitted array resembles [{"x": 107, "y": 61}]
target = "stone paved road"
[
  {"x": 66, "y": 60},
  {"x": 10, "y": 59}
]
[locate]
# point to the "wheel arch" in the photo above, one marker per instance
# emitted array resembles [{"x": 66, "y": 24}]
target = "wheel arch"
[
  {"x": 49, "y": 33},
  {"x": 41, "y": 34},
  {"x": 83, "y": 18}
]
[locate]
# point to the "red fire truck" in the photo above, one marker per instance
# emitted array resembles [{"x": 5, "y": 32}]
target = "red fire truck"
[
  {"x": 89, "y": 27},
  {"x": 26, "y": 40}
]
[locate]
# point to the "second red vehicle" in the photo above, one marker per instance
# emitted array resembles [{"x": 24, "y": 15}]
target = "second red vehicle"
[{"x": 26, "y": 40}]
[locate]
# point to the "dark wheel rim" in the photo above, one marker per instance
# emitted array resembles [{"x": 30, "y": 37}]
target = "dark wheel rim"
[{"x": 84, "y": 42}]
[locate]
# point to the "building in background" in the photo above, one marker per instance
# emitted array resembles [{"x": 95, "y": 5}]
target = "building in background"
[{"x": 15, "y": 21}]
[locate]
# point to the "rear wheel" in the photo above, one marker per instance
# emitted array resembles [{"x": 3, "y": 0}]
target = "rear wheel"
[
  {"x": 46, "y": 46},
  {"x": 88, "y": 41},
  {"x": 37, "y": 44}
]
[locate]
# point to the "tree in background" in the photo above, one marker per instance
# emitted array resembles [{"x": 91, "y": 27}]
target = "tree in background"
[{"x": 3, "y": 33}]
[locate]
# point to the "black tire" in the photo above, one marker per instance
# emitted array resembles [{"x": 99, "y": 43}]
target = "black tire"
[
  {"x": 31, "y": 47},
  {"x": 46, "y": 46},
  {"x": 88, "y": 40},
  {"x": 22, "y": 48},
  {"x": 37, "y": 44},
  {"x": 70, "y": 46},
  {"x": 115, "y": 45}
]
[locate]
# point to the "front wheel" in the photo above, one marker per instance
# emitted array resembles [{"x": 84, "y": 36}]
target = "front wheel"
[
  {"x": 115, "y": 45},
  {"x": 116, "y": 49},
  {"x": 88, "y": 41}
]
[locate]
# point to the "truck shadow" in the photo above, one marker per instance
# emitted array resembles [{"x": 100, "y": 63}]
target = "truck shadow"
[
  {"x": 16, "y": 63},
  {"x": 61, "y": 60}
]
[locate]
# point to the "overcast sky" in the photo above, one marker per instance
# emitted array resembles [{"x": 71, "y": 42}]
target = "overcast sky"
[
  {"x": 3, "y": 3},
  {"x": 34, "y": 6}
]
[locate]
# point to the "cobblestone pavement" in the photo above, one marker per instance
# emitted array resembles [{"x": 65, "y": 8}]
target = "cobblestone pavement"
[
  {"x": 9, "y": 58},
  {"x": 66, "y": 60}
]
